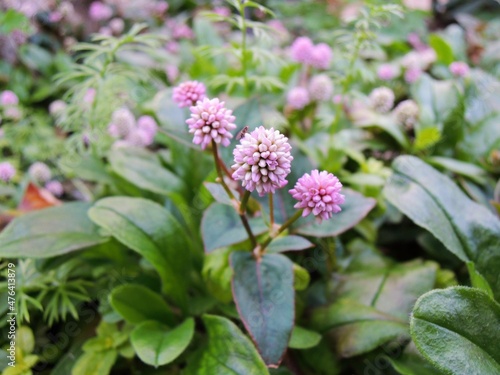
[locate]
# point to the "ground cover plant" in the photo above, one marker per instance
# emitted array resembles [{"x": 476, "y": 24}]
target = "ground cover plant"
[{"x": 243, "y": 187}]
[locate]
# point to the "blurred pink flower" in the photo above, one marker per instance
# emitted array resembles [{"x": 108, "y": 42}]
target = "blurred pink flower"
[
  {"x": 57, "y": 107},
  {"x": 319, "y": 194},
  {"x": 55, "y": 187},
  {"x": 412, "y": 74},
  {"x": 210, "y": 120},
  {"x": 302, "y": 49},
  {"x": 222, "y": 11},
  {"x": 117, "y": 25},
  {"x": 89, "y": 96},
  {"x": 99, "y": 11},
  {"x": 459, "y": 69},
  {"x": 321, "y": 56},
  {"x": 262, "y": 160},
  {"x": 320, "y": 87},
  {"x": 386, "y": 72},
  {"x": 139, "y": 137},
  {"x": 188, "y": 93},
  {"x": 7, "y": 171},
  {"x": 172, "y": 72},
  {"x": 382, "y": 99},
  {"x": 298, "y": 98},
  {"x": 182, "y": 31},
  {"x": 40, "y": 172},
  {"x": 8, "y": 98},
  {"x": 148, "y": 125}
]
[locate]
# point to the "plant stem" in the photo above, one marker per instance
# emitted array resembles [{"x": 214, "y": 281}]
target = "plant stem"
[
  {"x": 271, "y": 210},
  {"x": 243, "y": 217},
  {"x": 244, "y": 47},
  {"x": 219, "y": 170},
  {"x": 289, "y": 222},
  {"x": 244, "y": 201}
]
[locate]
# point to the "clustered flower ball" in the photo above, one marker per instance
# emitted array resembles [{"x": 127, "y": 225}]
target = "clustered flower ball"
[
  {"x": 386, "y": 72},
  {"x": 55, "y": 187},
  {"x": 210, "y": 120},
  {"x": 321, "y": 87},
  {"x": 188, "y": 93},
  {"x": 8, "y": 98},
  {"x": 40, "y": 172},
  {"x": 262, "y": 160},
  {"x": 298, "y": 98},
  {"x": 407, "y": 113},
  {"x": 459, "y": 69},
  {"x": 7, "y": 171},
  {"x": 319, "y": 194},
  {"x": 382, "y": 99},
  {"x": 304, "y": 51},
  {"x": 129, "y": 132}
]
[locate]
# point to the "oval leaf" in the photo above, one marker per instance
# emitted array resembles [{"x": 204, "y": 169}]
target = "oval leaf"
[
  {"x": 136, "y": 303},
  {"x": 143, "y": 169},
  {"x": 221, "y": 226},
  {"x": 457, "y": 330},
  {"x": 156, "y": 345},
  {"x": 288, "y": 243},
  {"x": 468, "y": 229},
  {"x": 303, "y": 338},
  {"x": 153, "y": 232},
  {"x": 228, "y": 351},
  {"x": 50, "y": 232},
  {"x": 264, "y": 296},
  {"x": 355, "y": 208}
]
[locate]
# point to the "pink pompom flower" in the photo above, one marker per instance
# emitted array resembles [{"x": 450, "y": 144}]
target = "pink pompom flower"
[
  {"x": 188, "y": 93},
  {"x": 412, "y": 74},
  {"x": 262, "y": 160},
  {"x": 8, "y": 98},
  {"x": 298, "y": 98},
  {"x": 99, "y": 11},
  {"x": 319, "y": 194},
  {"x": 386, "y": 72},
  {"x": 210, "y": 120},
  {"x": 55, "y": 187},
  {"x": 321, "y": 56},
  {"x": 459, "y": 69},
  {"x": 7, "y": 171},
  {"x": 302, "y": 49}
]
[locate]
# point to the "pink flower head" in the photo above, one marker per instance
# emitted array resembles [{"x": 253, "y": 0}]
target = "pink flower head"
[
  {"x": 40, "y": 172},
  {"x": 412, "y": 74},
  {"x": 302, "y": 49},
  {"x": 8, "y": 98},
  {"x": 262, "y": 160},
  {"x": 139, "y": 138},
  {"x": 89, "y": 96},
  {"x": 117, "y": 25},
  {"x": 188, "y": 93},
  {"x": 148, "y": 125},
  {"x": 55, "y": 187},
  {"x": 222, "y": 11},
  {"x": 172, "y": 47},
  {"x": 172, "y": 72},
  {"x": 57, "y": 107},
  {"x": 386, "y": 72},
  {"x": 459, "y": 69},
  {"x": 99, "y": 11},
  {"x": 416, "y": 42},
  {"x": 7, "y": 171},
  {"x": 321, "y": 56},
  {"x": 298, "y": 98},
  {"x": 320, "y": 87},
  {"x": 210, "y": 120},
  {"x": 318, "y": 193},
  {"x": 160, "y": 8},
  {"x": 182, "y": 31}
]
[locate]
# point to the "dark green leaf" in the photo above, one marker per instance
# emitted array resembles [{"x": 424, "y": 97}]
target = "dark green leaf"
[
  {"x": 303, "y": 338},
  {"x": 457, "y": 330},
  {"x": 137, "y": 303},
  {"x": 264, "y": 295},
  {"x": 228, "y": 351},
  {"x": 221, "y": 226},
  {"x": 288, "y": 243},
  {"x": 143, "y": 169},
  {"x": 477, "y": 280},
  {"x": 156, "y": 345},
  {"x": 50, "y": 232},
  {"x": 355, "y": 208},
  {"x": 153, "y": 232},
  {"x": 468, "y": 229}
]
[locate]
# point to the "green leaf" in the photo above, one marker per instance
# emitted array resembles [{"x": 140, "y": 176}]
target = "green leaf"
[
  {"x": 303, "y": 338},
  {"x": 443, "y": 50},
  {"x": 288, "y": 243},
  {"x": 95, "y": 363},
  {"x": 355, "y": 208},
  {"x": 143, "y": 169},
  {"x": 467, "y": 229},
  {"x": 472, "y": 171},
  {"x": 457, "y": 330},
  {"x": 25, "y": 339},
  {"x": 50, "y": 232},
  {"x": 217, "y": 274},
  {"x": 412, "y": 363},
  {"x": 137, "y": 303},
  {"x": 11, "y": 20},
  {"x": 156, "y": 345},
  {"x": 478, "y": 281},
  {"x": 221, "y": 226},
  {"x": 227, "y": 352},
  {"x": 264, "y": 296},
  {"x": 426, "y": 138},
  {"x": 150, "y": 230},
  {"x": 371, "y": 307}
]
